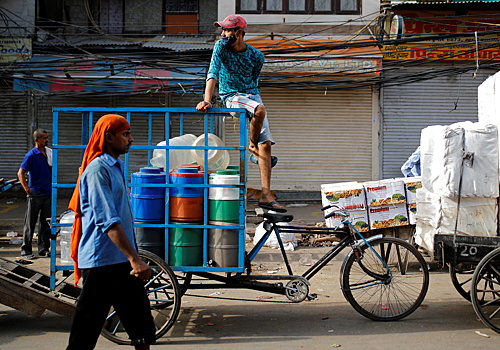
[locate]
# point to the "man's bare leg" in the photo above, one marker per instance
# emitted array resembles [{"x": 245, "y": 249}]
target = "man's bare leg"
[
  {"x": 255, "y": 127},
  {"x": 263, "y": 153}
]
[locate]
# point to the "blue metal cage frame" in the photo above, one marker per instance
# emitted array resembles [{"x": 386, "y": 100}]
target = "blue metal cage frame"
[{"x": 87, "y": 115}]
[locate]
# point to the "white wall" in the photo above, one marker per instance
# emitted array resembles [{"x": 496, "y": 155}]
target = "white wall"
[{"x": 370, "y": 9}]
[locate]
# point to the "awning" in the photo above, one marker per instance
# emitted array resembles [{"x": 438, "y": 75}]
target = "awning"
[
  {"x": 59, "y": 74},
  {"x": 321, "y": 58}
]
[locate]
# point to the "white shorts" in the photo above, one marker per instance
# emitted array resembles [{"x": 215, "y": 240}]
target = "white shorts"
[{"x": 250, "y": 103}]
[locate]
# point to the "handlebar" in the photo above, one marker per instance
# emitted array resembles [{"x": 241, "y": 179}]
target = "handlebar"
[{"x": 340, "y": 211}]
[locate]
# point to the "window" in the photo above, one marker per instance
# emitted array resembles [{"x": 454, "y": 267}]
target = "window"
[{"x": 299, "y": 6}]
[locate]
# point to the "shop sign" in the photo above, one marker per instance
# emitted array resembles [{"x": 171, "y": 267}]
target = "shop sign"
[
  {"x": 446, "y": 22},
  {"x": 15, "y": 49},
  {"x": 314, "y": 66},
  {"x": 422, "y": 51},
  {"x": 446, "y": 36}
]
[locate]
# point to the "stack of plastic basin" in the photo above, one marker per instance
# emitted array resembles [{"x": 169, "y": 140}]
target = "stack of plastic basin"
[
  {"x": 186, "y": 208},
  {"x": 217, "y": 158},
  {"x": 224, "y": 211},
  {"x": 148, "y": 207}
]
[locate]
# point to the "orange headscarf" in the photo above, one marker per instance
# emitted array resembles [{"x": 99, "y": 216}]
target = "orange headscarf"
[{"x": 108, "y": 123}]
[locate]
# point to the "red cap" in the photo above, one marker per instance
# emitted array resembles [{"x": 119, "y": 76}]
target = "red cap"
[{"x": 231, "y": 22}]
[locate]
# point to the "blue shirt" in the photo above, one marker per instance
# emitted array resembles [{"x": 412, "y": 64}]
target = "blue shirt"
[
  {"x": 104, "y": 201},
  {"x": 237, "y": 72},
  {"x": 40, "y": 172},
  {"x": 411, "y": 167}
]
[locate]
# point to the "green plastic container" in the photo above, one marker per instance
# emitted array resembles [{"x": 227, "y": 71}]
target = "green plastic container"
[
  {"x": 222, "y": 210},
  {"x": 185, "y": 245},
  {"x": 234, "y": 167}
]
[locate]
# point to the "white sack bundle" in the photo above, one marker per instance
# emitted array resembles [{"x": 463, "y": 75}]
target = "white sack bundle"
[
  {"x": 437, "y": 215},
  {"x": 442, "y": 152}
]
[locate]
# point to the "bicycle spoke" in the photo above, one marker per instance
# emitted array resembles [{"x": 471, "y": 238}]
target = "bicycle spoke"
[
  {"x": 385, "y": 299},
  {"x": 485, "y": 290},
  {"x": 164, "y": 298}
]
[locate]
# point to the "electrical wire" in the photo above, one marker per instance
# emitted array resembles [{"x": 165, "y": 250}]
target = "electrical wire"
[{"x": 158, "y": 58}]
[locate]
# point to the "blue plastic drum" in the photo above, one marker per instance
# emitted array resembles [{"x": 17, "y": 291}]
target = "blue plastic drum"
[{"x": 148, "y": 203}]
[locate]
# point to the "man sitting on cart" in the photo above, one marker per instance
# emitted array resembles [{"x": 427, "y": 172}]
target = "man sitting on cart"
[{"x": 237, "y": 65}]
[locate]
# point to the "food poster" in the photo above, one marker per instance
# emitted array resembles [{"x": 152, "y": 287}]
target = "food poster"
[
  {"x": 388, "y": 216},
  {"x": 384, "y": 192},
  {"x": 359, "y": 218},
  {"x": 349, "y": 195},
  {"x": 412, "y": 184}
]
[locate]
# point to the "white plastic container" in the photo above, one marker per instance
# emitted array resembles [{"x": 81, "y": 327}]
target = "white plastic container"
[
  {"x": 224, "y": 193},
  {"x": 177, "y": 157},
  {"x": 65, "y": 237},
  {"x": 217, "y": 159}
]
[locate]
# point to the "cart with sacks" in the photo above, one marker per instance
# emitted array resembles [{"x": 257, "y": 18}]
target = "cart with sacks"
[{"x": 457, "y": 210}]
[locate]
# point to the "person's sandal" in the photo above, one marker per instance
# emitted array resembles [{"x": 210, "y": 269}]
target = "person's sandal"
[
  {"x": 255, "y": 160},
  {"x": 29, "y": 257}
]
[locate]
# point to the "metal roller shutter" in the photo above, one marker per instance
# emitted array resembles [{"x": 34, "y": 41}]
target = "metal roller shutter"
[
  {"x": 319, "y": 138},
  {"x": 69, "y": 130},
  {"x": 409, "y": 108},
  {"x": 16, "y": 139}
]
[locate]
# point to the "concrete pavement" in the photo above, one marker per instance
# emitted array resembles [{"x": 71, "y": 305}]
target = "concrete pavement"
[{"x": 246, "y": 319}]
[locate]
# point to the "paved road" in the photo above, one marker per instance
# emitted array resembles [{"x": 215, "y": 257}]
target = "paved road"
[{"x": 225, "y": 319}]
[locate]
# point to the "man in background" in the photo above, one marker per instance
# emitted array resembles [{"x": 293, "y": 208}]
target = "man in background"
[{"x": 37, "y": 164}]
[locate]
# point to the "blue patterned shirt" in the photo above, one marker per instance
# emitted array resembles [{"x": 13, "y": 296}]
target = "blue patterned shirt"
[
  {"x": 104, "y": 201},
  {"x": 237, "y": 72}
]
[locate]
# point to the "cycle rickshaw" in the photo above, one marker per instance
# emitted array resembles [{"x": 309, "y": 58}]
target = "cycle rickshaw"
[{"x": 383, "y": 278}]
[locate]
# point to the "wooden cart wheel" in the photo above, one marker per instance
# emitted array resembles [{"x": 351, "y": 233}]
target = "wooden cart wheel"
[
  {"x": 485, "y": 290},
  {"x": 164, "y": 296},
  {"x": 461, "y": 277}
]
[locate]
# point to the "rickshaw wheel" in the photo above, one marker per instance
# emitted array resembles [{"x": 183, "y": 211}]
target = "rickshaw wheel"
[
  {"x": 485, "y": 290},
  {"x": 164, "y": 296},
  {"x": 461, "y": 277}
]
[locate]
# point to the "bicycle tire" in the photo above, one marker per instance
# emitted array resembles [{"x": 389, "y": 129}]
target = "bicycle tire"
[
  {"x": 485, "y": 290},
  {"x": 164, "y": 296},
  {"x": 396, "y": 298}
]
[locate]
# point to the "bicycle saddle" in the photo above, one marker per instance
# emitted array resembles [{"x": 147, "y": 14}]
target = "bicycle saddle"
[{"x": 277, "y": 217}]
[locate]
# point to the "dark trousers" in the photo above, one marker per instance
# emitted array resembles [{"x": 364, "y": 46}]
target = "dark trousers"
[
  {"x": 38, "y": 208},
  {"x": 104, "y": 287}
]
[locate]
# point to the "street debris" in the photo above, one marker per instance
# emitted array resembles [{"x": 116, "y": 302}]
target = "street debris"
[
  {"x": 15, "y": 240},
  {"x": 482, "y": 334},
  {"x": 318, "y": 239}
]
